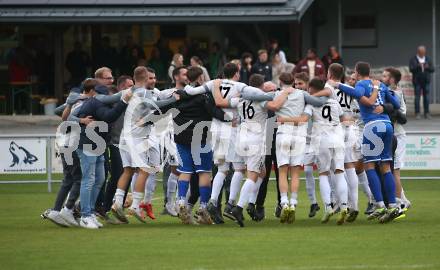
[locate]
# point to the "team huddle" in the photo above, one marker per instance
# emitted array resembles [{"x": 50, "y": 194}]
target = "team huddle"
[{"x": 350, "y": 132}]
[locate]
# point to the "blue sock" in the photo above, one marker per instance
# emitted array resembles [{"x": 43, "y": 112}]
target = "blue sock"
[
  {"x": 205, "y": 194},
  {"x": 375, "y": 186},
  {"x": 183, "y": 189},
  {"x": 390, "y": 187}
]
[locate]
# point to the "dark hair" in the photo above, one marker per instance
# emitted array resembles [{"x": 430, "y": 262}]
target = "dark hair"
[
  {"x": 287, "y": 78},
  {"x": 229, "y": 70},
  {"x": 256, "y": 80},
  {"x": 176, "y": 71},
  {"x": 313, "y": 50},
  {"x": 394, "y": 73},
  {"x": 246, "y": 55},
  {"x": 194, "y": 73},
  {"x": 151, "y": 70},
  {"x": 303, "y": 76},
  {"x": 317, "y": 84},
  {"x": 122, "y": 79},
  {"x": 112, "y": 89},
  {"x": 89, "y": 84},
  {"x": 197, "y": 59},
  {"x": 363, "y": 68},
  {"x": 336, "y": 71}
]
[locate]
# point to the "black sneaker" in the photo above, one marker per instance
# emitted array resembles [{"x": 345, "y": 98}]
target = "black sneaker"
[
  {"x": 313, "y": 209},
  {"x": 228, "y": 211},
  {"x": 370, "y": 209},
  {"x": 352, "y": 215},
  {"x": 278, "y": 211},
  {"x": 259, "y": 213},
  {"x": 237, "y": 213},
  {"x": 214, "y": 213},
  {"x": 251, "y": 210}
]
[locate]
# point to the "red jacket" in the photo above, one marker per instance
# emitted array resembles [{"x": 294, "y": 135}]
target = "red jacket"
[{"x": 319, "y": 68}]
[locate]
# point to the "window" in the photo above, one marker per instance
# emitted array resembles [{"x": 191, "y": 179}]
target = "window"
[{"x": 359, "y": 31}]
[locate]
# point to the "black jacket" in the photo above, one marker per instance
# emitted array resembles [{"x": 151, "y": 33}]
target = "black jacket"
[
  {"x": 419, "y": 76},
  {"x": 100, "y": 112},
  {"x": 195, "y": 108},
  {"x": 264, "y": 69}
]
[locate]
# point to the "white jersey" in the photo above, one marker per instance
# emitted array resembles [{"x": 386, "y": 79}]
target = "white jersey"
[
  {"x": 398, "y": 128},
  {"x": 344, "y": 100},
  {"x": 327, "y": 129},
  {"x": 253, "y": 115},
  {"x": 294, "y": 104}
]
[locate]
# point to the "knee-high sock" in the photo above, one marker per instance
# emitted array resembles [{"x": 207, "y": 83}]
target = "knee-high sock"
[
  {"x": 183, "y": 190},
  {"x": 205, "y": 192},
  {"x": 333, "y": 193},
  {"x": 133, "y": 181},
  {"x": 341, "y": 190},
  {"x": 150, "y": 187},
  {"x": 253, "y": 197},
  {"x": 246, "y": 191},
  {"x": 119, "y": 197},
  {"x": 363, "y": 183},
  {"x": 310, "y": 183},
  {"x": 137, "y": 197},
  {"x": 352, "y": 182},
  {"x": 324, "y": 188},
  {"x": 235, "y": 186},
  {"x": 390, "y": 188},
  {"x": 375, "y": 186},
  {"x": 217, "y": 184},
  {"x": 171, "y": 187}
]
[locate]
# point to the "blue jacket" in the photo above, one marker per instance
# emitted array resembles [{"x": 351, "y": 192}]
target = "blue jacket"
[{"x": 100, "y": 112}]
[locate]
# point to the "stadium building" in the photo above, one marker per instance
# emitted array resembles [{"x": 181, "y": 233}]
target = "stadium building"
[{"x": 381, "y": 32}]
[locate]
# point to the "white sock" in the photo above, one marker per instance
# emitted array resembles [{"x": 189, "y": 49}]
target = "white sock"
[
  {"x": 235, "y": 186},
  {"x": 137, "y": 198},
  {"x": 133, "y": 181},
  {"x": 333, "y": 193},
  {"x": 171, "y": 187},
  {"x": 284, "y": 200},
  {"x": 293, "y": 199},
  {"x": 310, "y": 183},
  {"x": 341, "y": 190},
  {"x": 254, "y": 195},
  {"x": 363, "y": 183},
  {"x": 324, "y": 188},
  {"x": 217, "y": 185},
  {"x": 246, "y": 191},
  {"x": 404, "y": 198},
  {"x": 352, "y": 182},
  {"x": 150, "y": 187},
  {"x": 119, "y": 197}
]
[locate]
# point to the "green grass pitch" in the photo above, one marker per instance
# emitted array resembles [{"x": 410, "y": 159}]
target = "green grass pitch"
[{"x": 28, "y": 242}]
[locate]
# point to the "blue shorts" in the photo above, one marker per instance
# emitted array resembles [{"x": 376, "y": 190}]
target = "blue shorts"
[
  {"x": 377, "y": 141},
  {"x": 193, "y": 162}
]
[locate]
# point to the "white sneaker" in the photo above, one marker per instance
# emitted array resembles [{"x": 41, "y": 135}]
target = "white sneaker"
[
  {"x": 171, "y": 209},
  {"x": 95, "y": 219},
  {"x": 56, "y": 218},
  {"x": 67, "y": 215},
  {"x": 88, "y": 223}
]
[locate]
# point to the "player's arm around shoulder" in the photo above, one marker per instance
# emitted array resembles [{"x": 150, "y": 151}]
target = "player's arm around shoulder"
[
  {"x": 278, "y": 102},
  {"x": 371, "y": 100},
  {"x": 297, "y": 120}
]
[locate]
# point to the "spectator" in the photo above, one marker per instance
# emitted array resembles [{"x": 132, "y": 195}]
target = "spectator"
[
  {"x": 331, "y": 57},
  {"x": 246, "y": 67},
  {"x": 105, "y": 56},
  {"x": 77, "y": 62},
  {"x": 262, "y": 66},
  {"x": 279, "y": 67},
  {"x": 275, "y": 49},
  {"x": 421, "y": 68},
  {"x": 196, "y": 62},
  {"x": 216, "y": 60},
  {"x": 312, "y": 65},
  {"x": 156, "y": 63},
  {"x": 177, "y": 62},
  {"x": 129, "y": 56}
]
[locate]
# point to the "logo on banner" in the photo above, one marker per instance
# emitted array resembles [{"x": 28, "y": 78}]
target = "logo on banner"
[{"x": 20, "y": 155}]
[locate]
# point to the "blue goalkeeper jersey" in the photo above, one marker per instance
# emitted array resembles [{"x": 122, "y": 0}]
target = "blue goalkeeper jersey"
[{"x": 365, "y": 88}]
